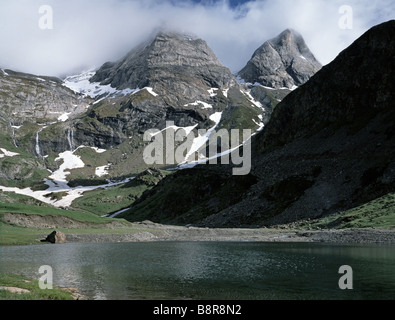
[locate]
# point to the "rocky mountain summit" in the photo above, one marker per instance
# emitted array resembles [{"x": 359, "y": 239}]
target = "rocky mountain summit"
[
  {"x": 284, "y": 61},
  {"x": 328, "y": 147},
  {"x": 171, "y": 77},
  {"x": 170, "y": 62},
  {"x": 63, "y": 138},
  {"x": 351, "y": 91}
]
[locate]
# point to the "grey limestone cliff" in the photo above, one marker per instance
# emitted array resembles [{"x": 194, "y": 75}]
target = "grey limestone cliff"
[
  {"x": 284, "y": 61},
  {"x": 170, "y": 62}
]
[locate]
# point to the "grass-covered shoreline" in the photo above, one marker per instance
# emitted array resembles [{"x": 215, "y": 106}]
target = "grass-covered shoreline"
[
  {"x": 17, "y": 287},
  {"x": 24, "y": 224}
]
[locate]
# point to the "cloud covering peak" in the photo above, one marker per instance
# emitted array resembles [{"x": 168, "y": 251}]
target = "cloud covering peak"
[{"x": 87, "y": 33}]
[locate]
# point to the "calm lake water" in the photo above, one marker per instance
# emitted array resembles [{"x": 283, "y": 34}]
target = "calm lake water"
[{"x": 210, "y": 270}]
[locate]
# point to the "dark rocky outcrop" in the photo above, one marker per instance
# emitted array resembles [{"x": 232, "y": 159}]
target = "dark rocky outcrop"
[
  {"x": 284, "y": 61},
  {"x": 56, "y": 237},
  {"x": 350, "y": 92}
]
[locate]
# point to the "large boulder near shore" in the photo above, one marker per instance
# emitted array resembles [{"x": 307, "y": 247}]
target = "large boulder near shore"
[{"x": 56, "y": 237}]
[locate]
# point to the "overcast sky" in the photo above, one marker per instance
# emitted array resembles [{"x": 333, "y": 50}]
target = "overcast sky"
[{"x": 87, "y": 33}]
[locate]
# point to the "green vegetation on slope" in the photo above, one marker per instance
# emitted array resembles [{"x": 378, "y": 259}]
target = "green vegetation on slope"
[
  {"x": 163, "y": 204},
  {"x": 379, "y": 213},
  {"x": 47, "y": 210},
  {"x": 14, "y": 236},
  {"x": 105, "y": 201},
  {"x": 22, "y": 170},
  {"x": 19, "y": 235},
  {"x": 240, "y": 113},
  {"x": 31, "y": 289}
]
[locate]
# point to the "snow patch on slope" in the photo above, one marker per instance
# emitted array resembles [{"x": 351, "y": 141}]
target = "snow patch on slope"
[
  {"x": 260, "y": 123},
  {"x": 57, "y": 182},
  {"x": 252, "y": 100},
  {"x": 6, "y": 153},
  {"x": 212, "y": 92},
  {"x": 102, "y": 171},
  {"x": 70, "y": 162},
  {"x": 175, "y": 128},
  {"x": 81, "y": 84},
  {"x": 205, "y": 104},
  {"x": 151, "y": 91},
  {"x": 200, "y": 141},
  {"x": 64, "y": 117}
]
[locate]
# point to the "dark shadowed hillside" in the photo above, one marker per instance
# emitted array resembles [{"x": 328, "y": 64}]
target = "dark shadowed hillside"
[{"x": 329, "y": 146}]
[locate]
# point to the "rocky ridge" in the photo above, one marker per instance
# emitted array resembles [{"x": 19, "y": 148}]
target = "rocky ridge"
[
  {"x": 170, "y": 62},
  {"x": 171, "y": 77},
  {"x": 328, "y": 147},
  {"x": 26, "y": 97},
  {"x": 98, "y": 132}
]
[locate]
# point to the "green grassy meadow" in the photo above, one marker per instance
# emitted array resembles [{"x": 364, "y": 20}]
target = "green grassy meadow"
[
  {"x": 33, "y": 291},
  {"x": 379, "y": 213}
]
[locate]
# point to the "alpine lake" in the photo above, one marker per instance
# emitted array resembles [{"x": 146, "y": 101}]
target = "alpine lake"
[{"x": 211, "y": 270}]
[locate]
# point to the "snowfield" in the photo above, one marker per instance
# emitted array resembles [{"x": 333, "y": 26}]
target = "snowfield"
[
  {"x": 212, "y": 92},
  {"x": 259, "y": 124},
  {"x": 70, "y": 161},
  {"x": 151, "y": 91},
  {"x": 80, "y": 84}
]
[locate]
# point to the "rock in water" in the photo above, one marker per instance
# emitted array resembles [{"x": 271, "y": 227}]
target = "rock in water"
[
  {"x": 284, "y": 61},
  {"x": 56, "y": 237}
]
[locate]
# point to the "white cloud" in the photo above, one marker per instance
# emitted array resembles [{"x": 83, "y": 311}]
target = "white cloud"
[{"x": 88, "y": 33}]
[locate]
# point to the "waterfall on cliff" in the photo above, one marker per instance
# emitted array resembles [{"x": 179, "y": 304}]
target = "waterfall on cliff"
[{"x": 70, "y": 138}]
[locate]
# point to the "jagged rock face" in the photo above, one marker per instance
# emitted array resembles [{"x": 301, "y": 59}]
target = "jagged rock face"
[
  {"x": 29, "y": 104},
  {"x": 181, "y": 70},
  {"x": 180, "y": 80},
  {"x": 328, "y": 147},
  {"x": 183, "y": 82},
  {"x": 173, "y": 64},
  {"x": 30, "y": 98},
  {"x": 330, "y": 142},
  {"x": 350, "y": 91},
  {"x": 284, "y": 61}
]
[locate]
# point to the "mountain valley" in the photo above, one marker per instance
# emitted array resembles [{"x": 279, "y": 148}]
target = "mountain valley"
[{"x": 322, "y": 136}]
